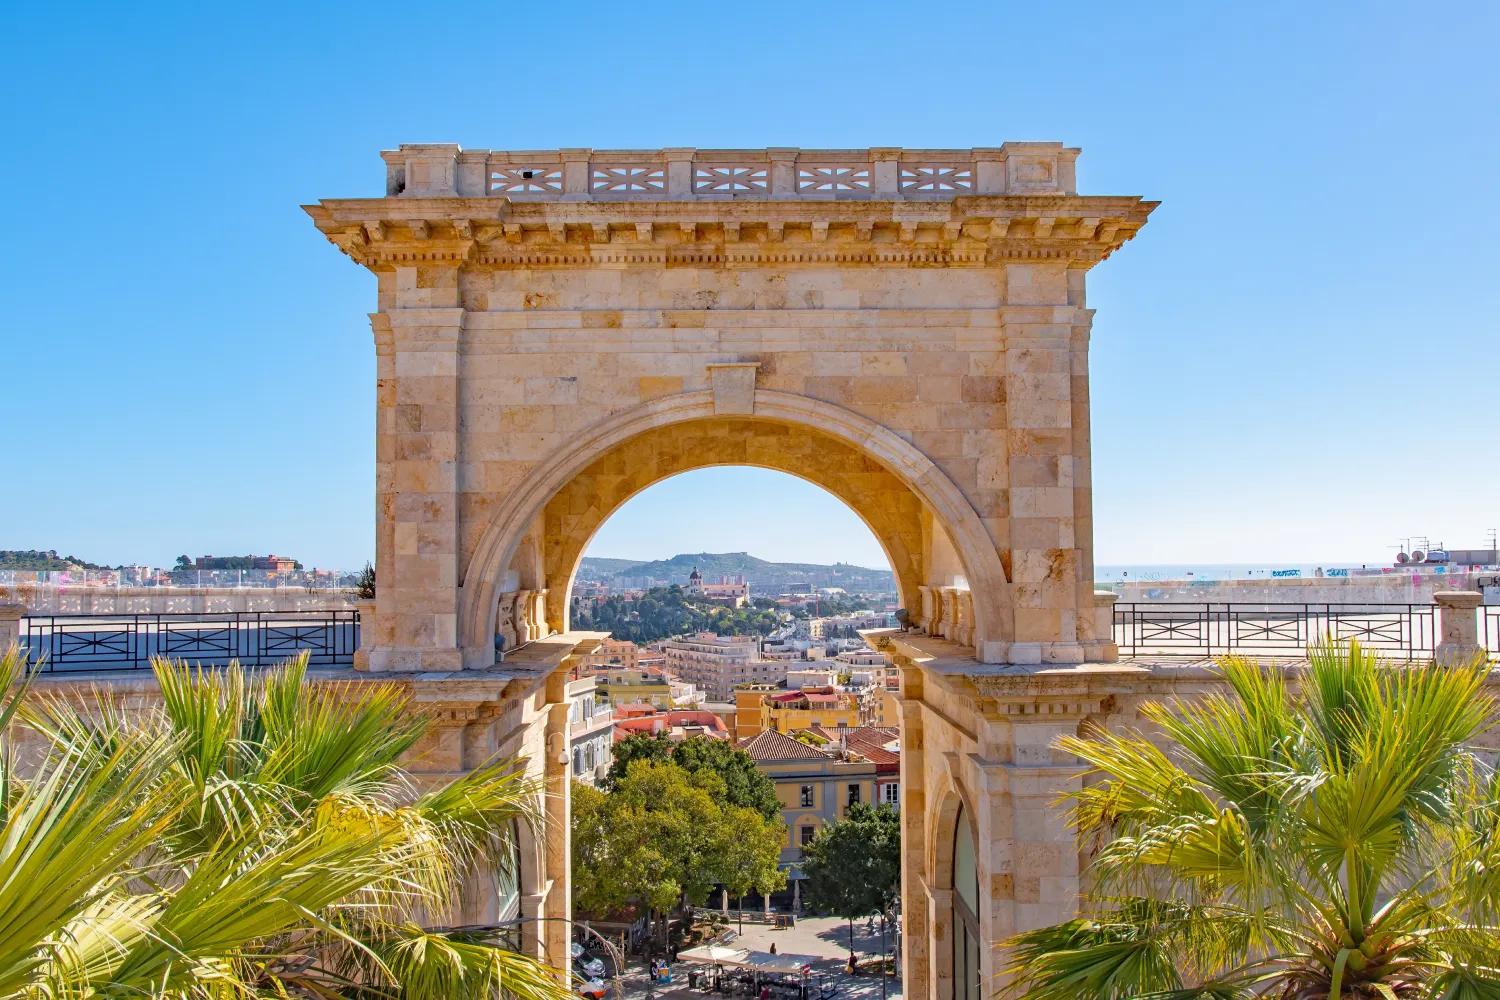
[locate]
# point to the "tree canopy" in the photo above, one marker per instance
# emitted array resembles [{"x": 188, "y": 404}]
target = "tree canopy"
[
  {"x": 255, "y": 836},
  {"x": 663, "y": 612},
  {"x": 663, "y": 835},
  {"x": 853, "y": 865},
  {"x": 744, "y": 784},
  {"x": 1339, "y": 840}
]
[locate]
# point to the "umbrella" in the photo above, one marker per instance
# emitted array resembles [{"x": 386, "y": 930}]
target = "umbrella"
[{"x": 714, "y": 954}]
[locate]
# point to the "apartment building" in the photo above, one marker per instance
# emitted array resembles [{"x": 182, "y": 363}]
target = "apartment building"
[
  {"x": 783, "y": 711},
  {"x": 647, "y": 685},
  {"x": 717, "y": 664},
  {"x": 610, "y": 653},
  {"x": 590, "y": 730},
  {"x": 818, "y": 780}
]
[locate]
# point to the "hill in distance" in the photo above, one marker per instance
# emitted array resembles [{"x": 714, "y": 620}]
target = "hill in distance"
[{"x": 755, "y": 571}]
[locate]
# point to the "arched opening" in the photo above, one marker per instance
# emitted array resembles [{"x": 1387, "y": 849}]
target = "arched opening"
[{"x": 932, "y": 537}]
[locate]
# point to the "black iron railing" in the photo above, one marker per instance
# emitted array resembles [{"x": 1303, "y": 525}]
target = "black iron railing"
[
  {"x": 1407, "y": 631},
  {"x": 62, "y": 643}
]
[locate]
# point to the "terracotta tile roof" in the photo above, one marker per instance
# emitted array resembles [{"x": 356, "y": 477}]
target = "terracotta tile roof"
[
  {"x": 867, "y": 741},
  {"x": 768, "y": 744}
]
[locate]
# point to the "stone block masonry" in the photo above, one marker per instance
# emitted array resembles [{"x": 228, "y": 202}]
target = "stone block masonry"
[{"x": 556, "y": 331}]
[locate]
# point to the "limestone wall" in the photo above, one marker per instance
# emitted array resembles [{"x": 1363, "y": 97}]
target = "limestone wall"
[{"x": 559, "y": 330}]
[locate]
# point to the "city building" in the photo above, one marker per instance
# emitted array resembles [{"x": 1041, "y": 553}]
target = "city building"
[
  {"x": 734, "y": 592},
  {"x": 796, "y": 680},
  {"x": 717, "y": 664},
  {"x": 785, "y": 711},
  {"x": 676, "y": 725},
  {"x": 590, "y": 731},
  {"x": 818, "y": 778},
  {"x": 611, "y": 653},
  {"x": 636, "y": 685}
]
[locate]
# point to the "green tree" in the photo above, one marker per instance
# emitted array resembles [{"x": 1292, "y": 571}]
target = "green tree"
[
  {"x": 1339, "y": 840},
  {"x": 853, "y": 867},
  {"x": 743, "y": 784},
  {"x": 636, "y": 746},
  {"x": 364, "y": 587},
  {"x": 667, "y": 611},
  {"x": 661, "y": 837},
  {"x": 254, "y": 837}
]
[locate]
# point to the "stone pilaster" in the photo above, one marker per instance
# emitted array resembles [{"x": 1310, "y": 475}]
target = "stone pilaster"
[
  {"x": 914, "y": 915},
  {"x": 1102, "y": 647},
  {"x": 1094, "y": 641},
  {"x": 1039, "y": 364},
  {"x": 10, "y": 625},
  {"x": 559, "y": 906},
  {"x": 421, "y": 598},
  {"x": 367, "y": 631},
  {"x": 1457, "y": 625}
]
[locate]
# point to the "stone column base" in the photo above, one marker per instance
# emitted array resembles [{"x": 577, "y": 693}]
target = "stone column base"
[
  {"x": 398, "y": 659},
  {"x": 1029, "y": 653},
  {"x": 1451, "y": 654},
  {"x": 1101, "y": 652}
]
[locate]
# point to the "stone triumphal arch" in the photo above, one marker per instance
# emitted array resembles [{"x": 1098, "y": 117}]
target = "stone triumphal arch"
[{"x": 557, "y": 331}]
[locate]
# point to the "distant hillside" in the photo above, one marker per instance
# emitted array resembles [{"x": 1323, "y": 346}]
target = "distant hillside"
[
  {"x": 759, "y": 573},
  {"x": 608, "y": 567},
  {"x": 42, "y": 560}
]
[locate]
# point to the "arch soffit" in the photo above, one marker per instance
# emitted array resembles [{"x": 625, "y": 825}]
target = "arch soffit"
[
  {"x": 903, "y": 554},
  {"x": 523, "y": 504}
]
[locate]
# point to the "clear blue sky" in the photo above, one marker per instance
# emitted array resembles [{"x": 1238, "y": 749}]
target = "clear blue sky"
[{"x": 1295, "y": 360}]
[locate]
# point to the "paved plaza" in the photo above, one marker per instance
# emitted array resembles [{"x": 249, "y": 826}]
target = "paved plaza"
[{"x": 827, "y": 937}]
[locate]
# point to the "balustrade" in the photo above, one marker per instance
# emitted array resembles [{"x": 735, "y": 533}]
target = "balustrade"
[{"x": 418, "y": 171}]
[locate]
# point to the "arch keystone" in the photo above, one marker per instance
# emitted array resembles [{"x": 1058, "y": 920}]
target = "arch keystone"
[{"x": 733, "y": 385}]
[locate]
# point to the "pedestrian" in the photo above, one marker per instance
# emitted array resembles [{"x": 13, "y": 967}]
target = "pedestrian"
[{"x": 853, "y": 966}]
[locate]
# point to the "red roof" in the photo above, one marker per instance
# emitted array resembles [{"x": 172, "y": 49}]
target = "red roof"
[
  {"x": 768, "y": 745},
  {"x": 867, "y": 741},
  {"x": 823, "y": 699}
]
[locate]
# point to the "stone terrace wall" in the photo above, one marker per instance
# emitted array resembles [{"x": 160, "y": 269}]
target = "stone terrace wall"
[
  {"x": 1388, "y": 588},
  {"x": 50, "y": 600}
]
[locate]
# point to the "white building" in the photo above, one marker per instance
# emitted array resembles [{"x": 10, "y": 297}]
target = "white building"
[
  {"x": 590, "y": 731},
  {"x": 717, "y": 664}
]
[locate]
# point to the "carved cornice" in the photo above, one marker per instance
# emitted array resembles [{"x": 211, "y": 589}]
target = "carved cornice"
[{"x": 972, "y": 231}]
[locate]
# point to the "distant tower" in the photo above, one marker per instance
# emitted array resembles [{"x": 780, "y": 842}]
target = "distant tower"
[{"x": 695, "y": 582}]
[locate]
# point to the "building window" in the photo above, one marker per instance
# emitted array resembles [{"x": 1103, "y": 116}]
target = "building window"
[
  {"x": 807, "y": 796},
  {"x": 578, "y": 760},
  {"x": 853, "y": 795},
  {"x": 966, "y": 981},
  {"x": 806, "y": 834},
  {"x": 893, "y": 794}
]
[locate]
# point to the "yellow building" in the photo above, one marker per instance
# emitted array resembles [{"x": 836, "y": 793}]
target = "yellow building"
[
  {"x": 630, "y": 685},
  {"x": 814, "y": 784},
  {"x": 760, "y": 707},
  {"x": 611, "y": 653}
]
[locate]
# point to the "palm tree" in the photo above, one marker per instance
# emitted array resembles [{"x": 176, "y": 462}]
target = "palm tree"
[
  {"x": 1337, "y": 840},
  {"x": 256, "y": 836}
]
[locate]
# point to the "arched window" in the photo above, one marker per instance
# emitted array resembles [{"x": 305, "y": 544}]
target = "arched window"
[
  {"x": 508, "y": 878},
  {"x": 965, "y": 912}
]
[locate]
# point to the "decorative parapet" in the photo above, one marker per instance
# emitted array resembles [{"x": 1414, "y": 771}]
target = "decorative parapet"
[
  {"x": 572, "y": 207},
  {"x": 443, "y": 170}
]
